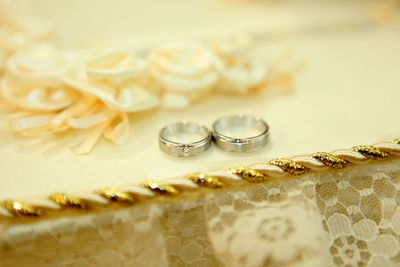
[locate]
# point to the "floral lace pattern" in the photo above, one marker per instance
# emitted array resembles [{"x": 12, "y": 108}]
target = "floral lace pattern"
[
  {"x": 362, "y": 216},
  {"x": 277, "y": 231},
  {"x": 339, "y": 218}
]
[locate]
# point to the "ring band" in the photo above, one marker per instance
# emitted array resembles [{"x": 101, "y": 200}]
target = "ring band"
[
  {"x": 183, "y": 139},
  {"x": 240, "y": 133}
]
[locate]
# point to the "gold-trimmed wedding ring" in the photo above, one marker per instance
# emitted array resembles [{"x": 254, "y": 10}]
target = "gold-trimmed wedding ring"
[
  {"x": 183, "y": 139},
  {"x": 240, "y": 133}
]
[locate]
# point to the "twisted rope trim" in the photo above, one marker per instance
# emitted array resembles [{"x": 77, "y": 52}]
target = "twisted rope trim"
[{"x": 258, "y": 173}]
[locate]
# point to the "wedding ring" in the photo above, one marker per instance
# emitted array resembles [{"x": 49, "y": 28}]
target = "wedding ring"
[
  {"x": 240, "y": 133},
  {"x": 183, "y": 139}
]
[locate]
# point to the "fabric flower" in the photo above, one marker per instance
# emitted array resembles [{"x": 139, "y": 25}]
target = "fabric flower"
[
  {"x": 238, "y": 71},
  {"x": 89, "y": 95},
  {"x": 32, "y": 80},
  {"x": 109, "y": 74},
  {"x": 235, "y": 45},
  {"x": 184, "y": 70}
]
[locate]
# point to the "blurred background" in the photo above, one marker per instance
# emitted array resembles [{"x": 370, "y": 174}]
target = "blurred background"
[{"x": 79, "y": 23}]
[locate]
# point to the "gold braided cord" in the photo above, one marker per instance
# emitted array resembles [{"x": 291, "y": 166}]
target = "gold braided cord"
[
  {"x": 20, "y": 208},
  {"x": 116, "y": 195},
  {"x": 68, "y": 201},
  {"x": 205, "y": 180},
  {"x": 289, "y": 166},
  {"x": 248, "y": 174},
  {"x": 130, "y": 195},
  {"x": 161, "y": 188},
  {"x": 371, "y": 152},
  {"x": 330, "y": 160}
]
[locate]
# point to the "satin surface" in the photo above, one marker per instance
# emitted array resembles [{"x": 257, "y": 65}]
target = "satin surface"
[{"x": 346, "y": 94}]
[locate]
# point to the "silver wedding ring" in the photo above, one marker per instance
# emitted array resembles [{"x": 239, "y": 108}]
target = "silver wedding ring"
[
  {"x": 240, "y": 133},
  {"x": 183, "y": 139}
]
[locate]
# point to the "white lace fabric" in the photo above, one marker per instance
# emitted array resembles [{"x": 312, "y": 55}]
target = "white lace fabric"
[{"x": 337, "y": 218}]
